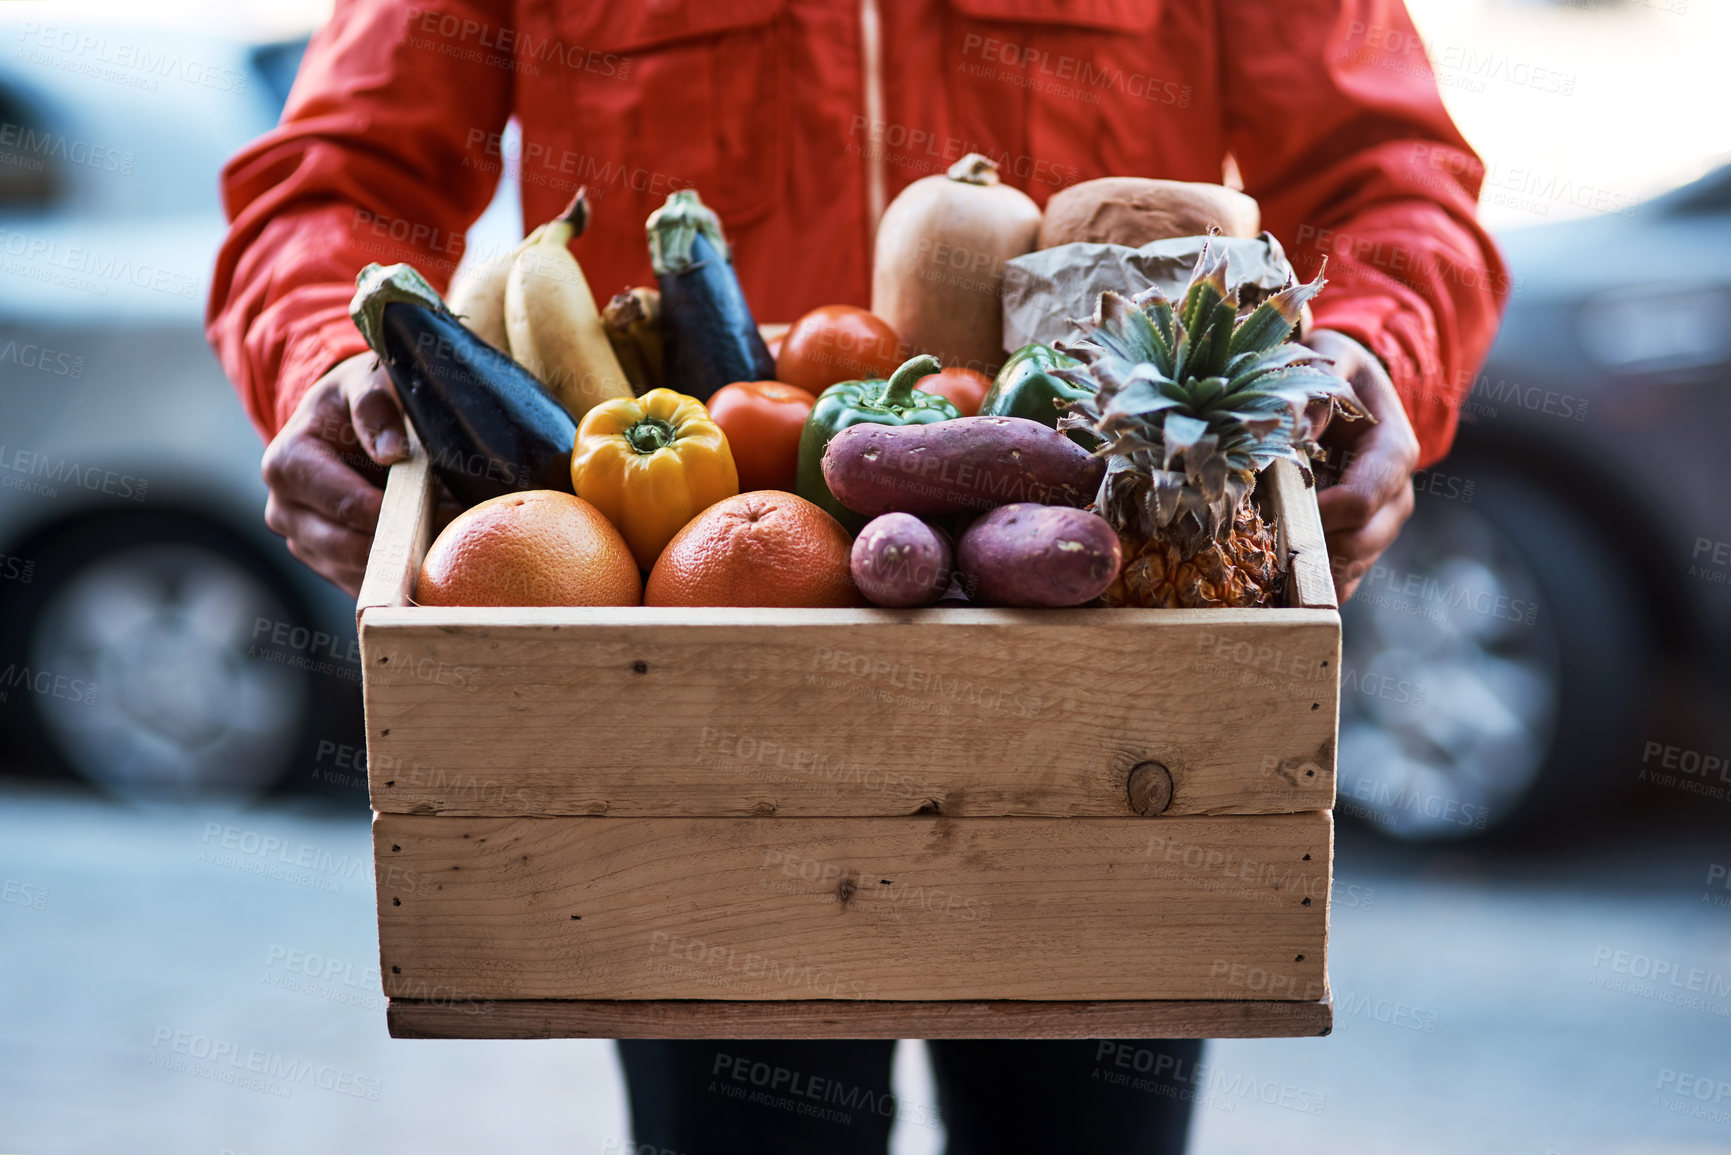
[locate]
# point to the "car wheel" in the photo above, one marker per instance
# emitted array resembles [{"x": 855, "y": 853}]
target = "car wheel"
[
  {"x": 132, "y": 663},
  {"x": 1494, "y": 663}
]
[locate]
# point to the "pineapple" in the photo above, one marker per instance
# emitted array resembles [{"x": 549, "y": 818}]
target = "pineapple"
[{"x": 1189, "y": 403}]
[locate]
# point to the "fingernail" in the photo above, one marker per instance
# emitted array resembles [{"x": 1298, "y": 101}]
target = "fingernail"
[{"x": 389, "y": 446}]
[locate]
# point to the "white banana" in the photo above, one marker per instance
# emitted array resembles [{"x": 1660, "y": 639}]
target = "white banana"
[
  {"x": 477, "y": 296},
  {"x": 554, "y": 328}
]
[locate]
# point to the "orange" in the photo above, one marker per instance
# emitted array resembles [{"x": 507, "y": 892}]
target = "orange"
[
  {"x": 764, "y": 548},
  {"x": 539, "y": 548}
]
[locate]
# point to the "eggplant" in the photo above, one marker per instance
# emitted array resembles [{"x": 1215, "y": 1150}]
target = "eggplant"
[
  {"x": 709, "y": 338},
  {"x": 488, "y": 426}
]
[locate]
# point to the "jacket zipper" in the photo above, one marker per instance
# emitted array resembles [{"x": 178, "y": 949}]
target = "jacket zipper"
[{"x": 872, "y": 65}]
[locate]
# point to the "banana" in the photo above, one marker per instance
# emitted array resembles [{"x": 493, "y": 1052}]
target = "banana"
[
  {"x": 633, "y": 322},
  {"x": 554, "y": 328},
  {"x": 477, "y": 296}
]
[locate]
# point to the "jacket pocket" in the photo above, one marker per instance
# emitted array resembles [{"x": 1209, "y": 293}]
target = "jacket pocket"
[{"x": 699, "y": 101}]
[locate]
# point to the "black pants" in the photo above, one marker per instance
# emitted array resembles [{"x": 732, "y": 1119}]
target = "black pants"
[{"x": 995, "y": 1097}]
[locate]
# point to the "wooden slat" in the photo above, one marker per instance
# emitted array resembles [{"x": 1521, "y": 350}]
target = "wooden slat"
[
  {"x": 633, "y": 711},
  {"x": 1301, "y": 541},
  {"x": 405, "y": 531},
  {"x": 859, "y": 909},
  {"x": 831, "y": 1019}
]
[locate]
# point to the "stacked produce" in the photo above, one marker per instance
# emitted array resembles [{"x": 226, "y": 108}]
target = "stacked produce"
[{"x": 658, "y": 452}]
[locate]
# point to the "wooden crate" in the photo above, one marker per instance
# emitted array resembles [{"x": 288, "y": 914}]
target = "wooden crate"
[{"x": 955, "y": 823}]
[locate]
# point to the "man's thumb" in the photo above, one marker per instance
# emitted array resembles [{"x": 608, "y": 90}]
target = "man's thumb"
[{"x": 379, "y": 422}]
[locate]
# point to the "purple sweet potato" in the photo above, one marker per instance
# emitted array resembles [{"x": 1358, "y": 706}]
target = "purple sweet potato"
[
  {"x": 973, "y": 463},
  {"x": 1038, "y": 555},
  {"x": 899, "y": 560}
]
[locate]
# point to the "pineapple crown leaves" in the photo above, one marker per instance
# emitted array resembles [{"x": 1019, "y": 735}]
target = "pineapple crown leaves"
[{"x": 1190, "y": 402}]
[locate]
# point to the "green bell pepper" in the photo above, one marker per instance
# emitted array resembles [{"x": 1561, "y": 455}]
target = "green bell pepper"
[
  {"x": 1026, "y": 388},
  {"x": 892, "y": 402}
]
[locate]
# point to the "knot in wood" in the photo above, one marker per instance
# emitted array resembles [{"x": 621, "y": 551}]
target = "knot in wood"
[{"x": 1150, "y": 788}]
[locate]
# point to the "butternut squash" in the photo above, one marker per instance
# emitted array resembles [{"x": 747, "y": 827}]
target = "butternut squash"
[{"x": 938, "y": 268}]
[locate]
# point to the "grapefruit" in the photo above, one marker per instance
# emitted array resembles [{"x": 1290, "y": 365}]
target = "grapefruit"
[
  {"x": 764, "y": 548},
  {"x": 539, "y": 548}
]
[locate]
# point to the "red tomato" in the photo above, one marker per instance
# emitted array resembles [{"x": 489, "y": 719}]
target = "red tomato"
[
  {"x": 837, "y": 343},
  {"x": 763, "y": 421},
  {"x": 966, "y": 388}
]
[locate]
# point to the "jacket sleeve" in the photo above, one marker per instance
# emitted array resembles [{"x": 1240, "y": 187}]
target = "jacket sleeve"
[
  {"x": 387, "y": 151},
  {"x": 1336, "y": 123}
]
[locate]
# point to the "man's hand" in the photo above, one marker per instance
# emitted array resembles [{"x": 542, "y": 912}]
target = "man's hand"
[
  {"x": 325, "y": 469},
  {"x": 1363, "y": 511}
]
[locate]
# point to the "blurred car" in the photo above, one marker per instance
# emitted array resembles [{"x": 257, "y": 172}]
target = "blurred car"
[
  {"x": 154, "y": 636},
  {"x": 1563, "y": 580}
]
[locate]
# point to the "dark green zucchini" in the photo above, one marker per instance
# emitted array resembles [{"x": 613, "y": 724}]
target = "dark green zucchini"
[
  {"x": 488, "y": 426},
  {"x": 709, "y": 338}
]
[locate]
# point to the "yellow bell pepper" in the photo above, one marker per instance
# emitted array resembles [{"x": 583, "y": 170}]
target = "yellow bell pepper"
[{"x": 650, "y": 464}]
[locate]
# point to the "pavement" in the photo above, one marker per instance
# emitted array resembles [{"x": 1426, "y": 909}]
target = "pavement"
[{"x": 169, "y": 985}]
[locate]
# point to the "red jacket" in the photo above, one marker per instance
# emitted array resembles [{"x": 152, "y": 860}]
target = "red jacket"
[{"x": 795, "y": 127}]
